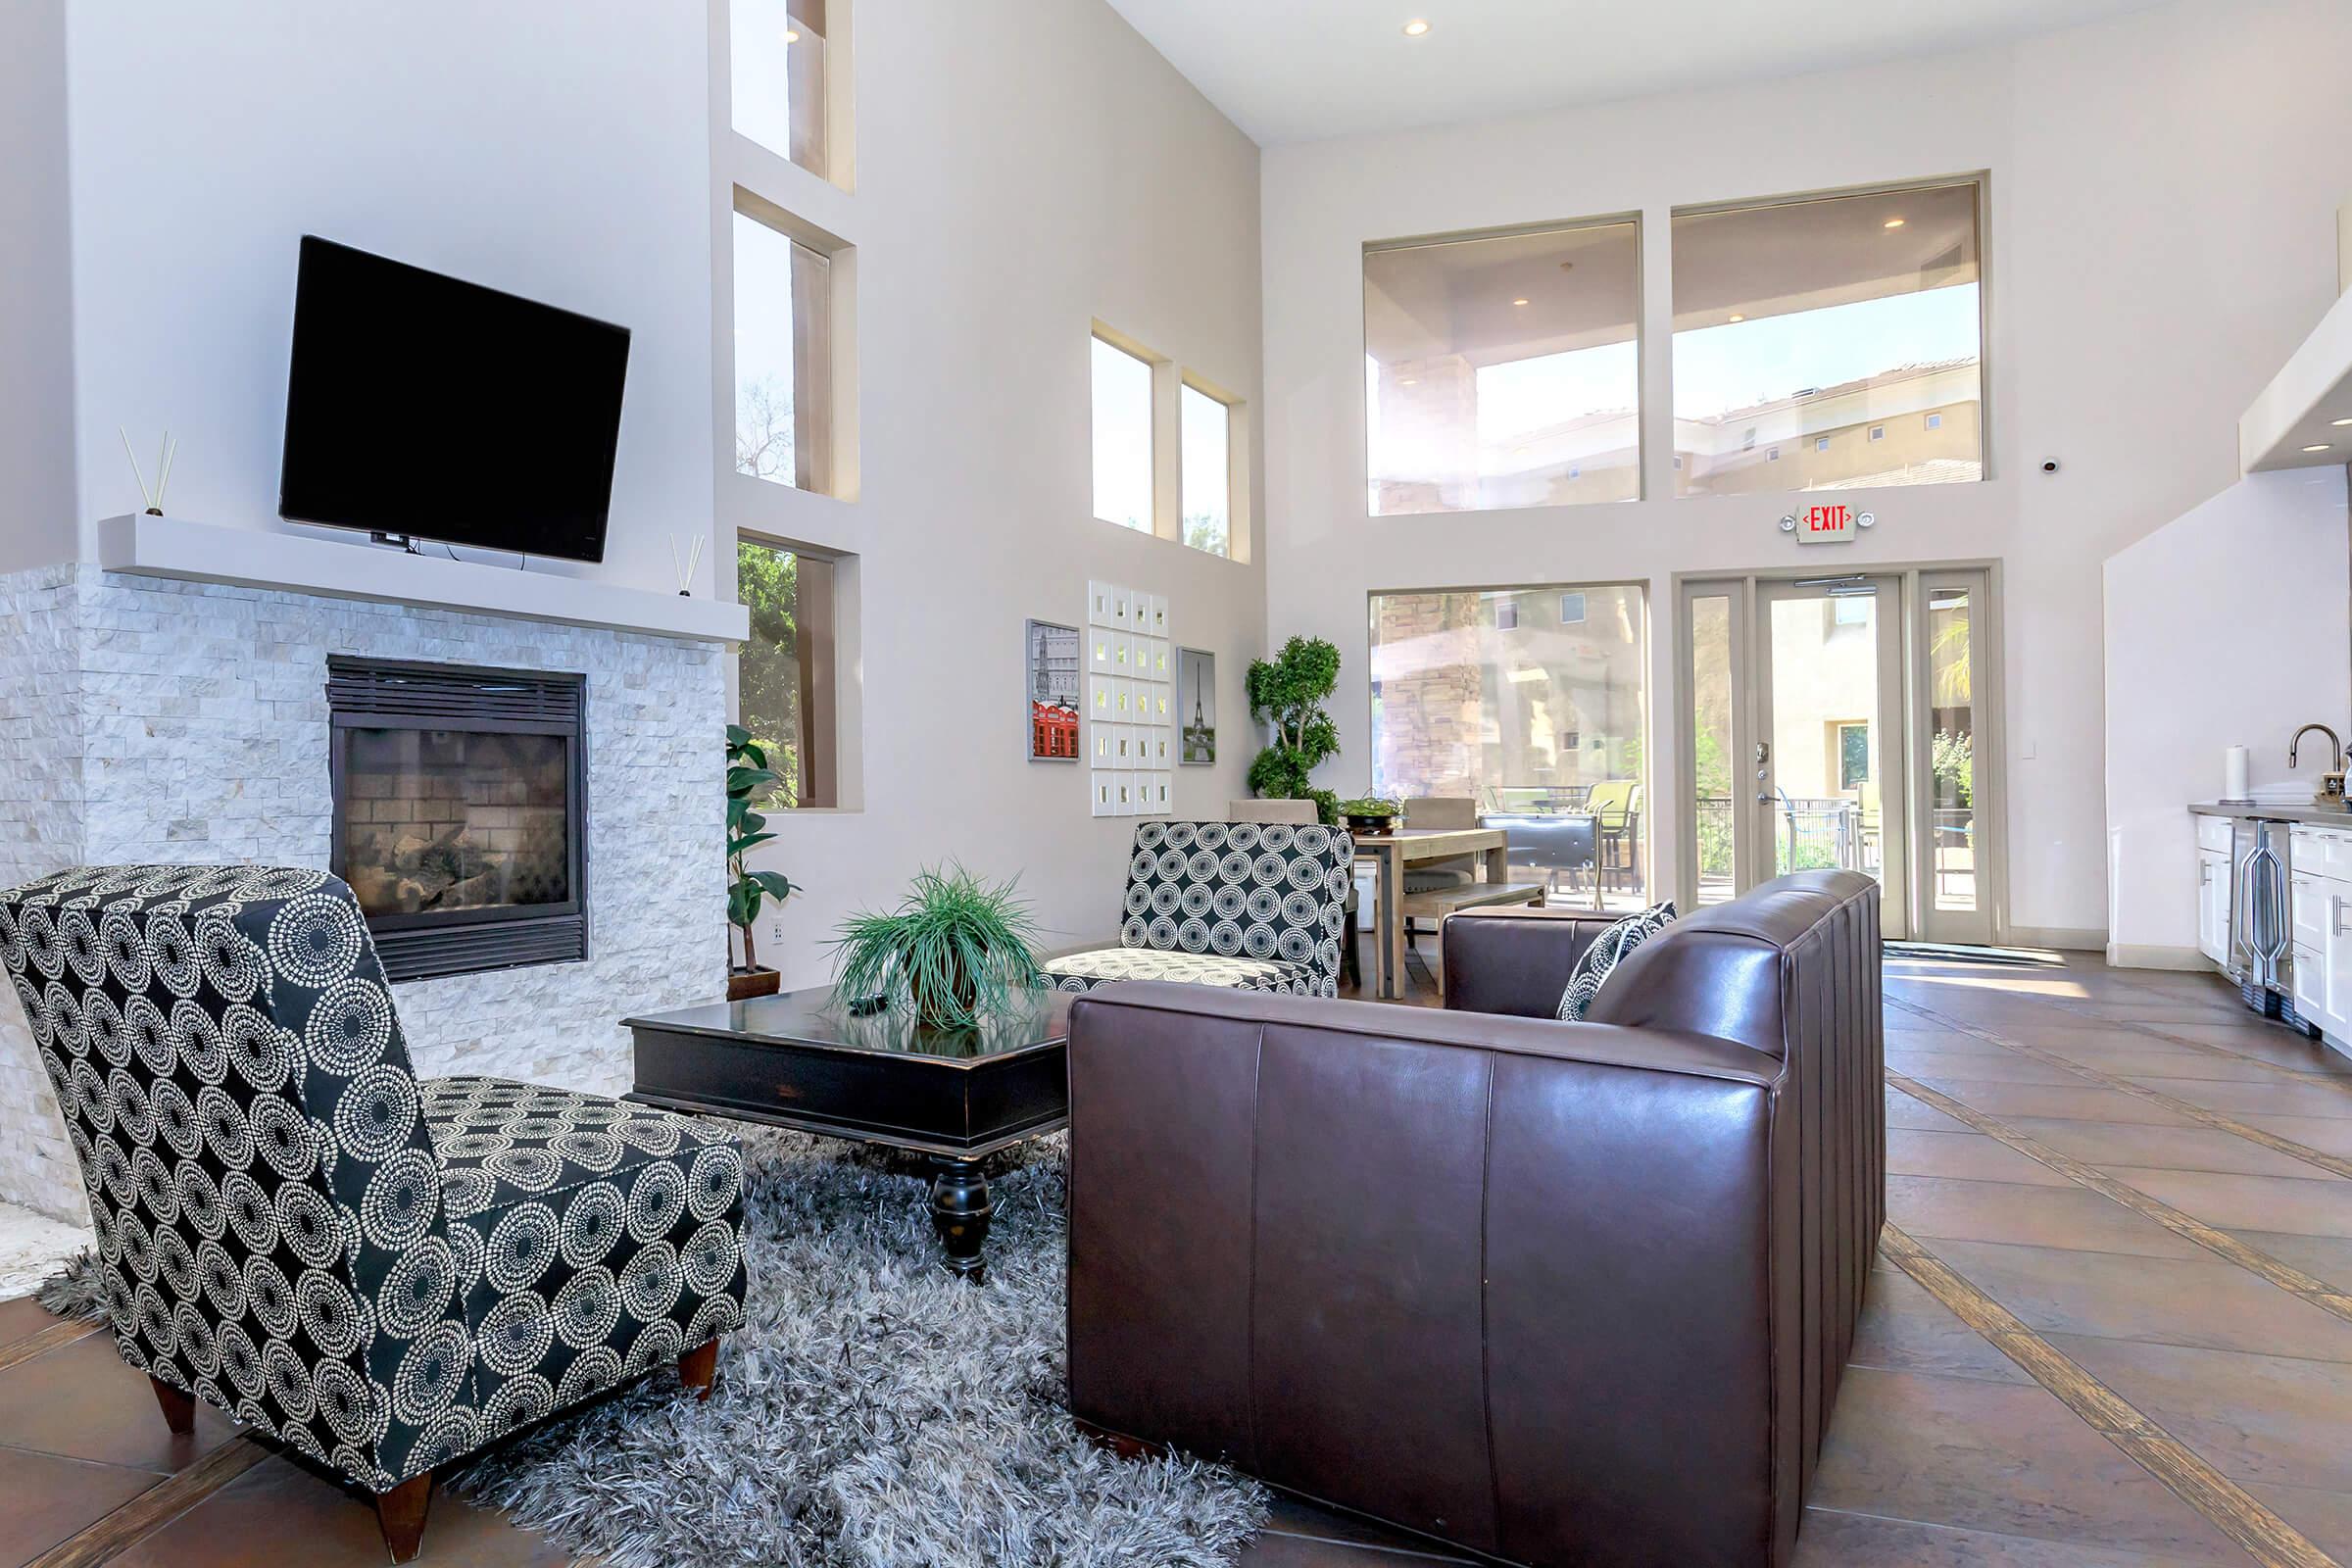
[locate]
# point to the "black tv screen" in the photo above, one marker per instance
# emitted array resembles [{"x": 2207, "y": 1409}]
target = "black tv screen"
[{"x": 424, "y": 406}]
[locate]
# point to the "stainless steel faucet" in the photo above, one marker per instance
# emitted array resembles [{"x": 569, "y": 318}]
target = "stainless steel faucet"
[
  {"x": 2331, "y": 783},
  {"x": 2335, "y": 747}
]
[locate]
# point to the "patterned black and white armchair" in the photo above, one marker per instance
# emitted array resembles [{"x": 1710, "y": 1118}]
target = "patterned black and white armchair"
[
  {"x": 382, "y": 1273},
  {"x": 1247, "y": 906}
]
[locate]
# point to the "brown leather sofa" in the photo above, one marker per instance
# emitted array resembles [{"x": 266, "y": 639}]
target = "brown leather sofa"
[{"x": 1553, "y": 1293}]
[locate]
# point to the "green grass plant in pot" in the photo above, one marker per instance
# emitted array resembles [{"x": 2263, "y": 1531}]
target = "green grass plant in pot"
[
  {"x": 954, "y": 952},
  {"x": 1371, "y": 815}
]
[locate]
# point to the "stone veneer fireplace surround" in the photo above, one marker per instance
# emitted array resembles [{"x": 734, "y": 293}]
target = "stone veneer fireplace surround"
[{"x": 146, "y": 718}]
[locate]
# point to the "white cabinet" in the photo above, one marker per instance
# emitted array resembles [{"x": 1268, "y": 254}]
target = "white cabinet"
[
  {"x": 2320, "y": 883},
  {"x": 2213, "y": 887},
  {"x": 2213, "y": 904}
]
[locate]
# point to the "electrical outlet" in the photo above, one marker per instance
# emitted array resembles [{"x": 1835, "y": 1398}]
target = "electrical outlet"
[{"x": 775, "y": 928}]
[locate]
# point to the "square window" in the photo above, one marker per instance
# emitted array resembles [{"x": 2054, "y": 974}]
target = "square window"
[
  {"x": 783, "y": 349},
  {"x": 784, "y": 688},
  {"x": 1461, "y": 707},
  {"x": 1935, "y": 421},
  {"x": 1823, "y": 314},
  {"x": 1773, "y": 455},
  {"x": 776, "y": 77},
  {"x": 1206, "y": 433},
  {"x": 1122, "y": 430},
  {"x": 1503, "y": 369}
]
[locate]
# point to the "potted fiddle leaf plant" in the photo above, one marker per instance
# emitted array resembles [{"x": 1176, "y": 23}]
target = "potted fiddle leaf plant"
[{"x": 750, "y": 780}]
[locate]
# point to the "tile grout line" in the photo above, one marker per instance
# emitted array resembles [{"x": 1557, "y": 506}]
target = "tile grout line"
[
  {"x": 2212, "y": 1495},
  {"x": 2319, "y": 1293},
  {"x": 2334, "y": 1163},
  {"x": 115, "y": 1532},
  {"x": 65, "y": 1331},
  {"x": 2157, "y": 1031}
]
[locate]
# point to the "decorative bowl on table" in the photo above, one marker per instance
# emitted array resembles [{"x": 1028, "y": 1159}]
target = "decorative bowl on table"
[{"x": 1372, "y": 816}]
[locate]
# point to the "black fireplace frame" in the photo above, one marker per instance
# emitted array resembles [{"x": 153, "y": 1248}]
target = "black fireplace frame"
[{"x": 395, "y": 694}]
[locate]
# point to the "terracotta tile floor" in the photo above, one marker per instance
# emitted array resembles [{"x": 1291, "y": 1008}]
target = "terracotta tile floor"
[{"x": 1943, "y": 1450}]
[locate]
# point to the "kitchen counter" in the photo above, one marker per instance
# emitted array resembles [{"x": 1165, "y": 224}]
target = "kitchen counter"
[{"x": 2310, "y": 812}]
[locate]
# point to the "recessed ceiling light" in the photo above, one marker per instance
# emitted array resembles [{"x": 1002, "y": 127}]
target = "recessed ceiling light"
[
  {"x": 1894, "y": 223},
  {"x": 1416, "y": 27},
  {"x": 2322, "y": 447},
  {"x": 1408, "y": 380},
  {"x": 2340, "y": 423},
  {"x": 791, "y": 35},
  {"x": 1518, "y": 302},
  {"x": 1736, "y": 317}
]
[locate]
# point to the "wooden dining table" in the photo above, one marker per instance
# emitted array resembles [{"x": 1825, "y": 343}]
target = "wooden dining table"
[{"x": 1393, "y": 852}]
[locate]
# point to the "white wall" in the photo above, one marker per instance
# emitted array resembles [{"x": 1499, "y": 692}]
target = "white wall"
[
  {"x": 2162, "y": 192},
  {"x": 556, "y": 151},
  {"x": 1013, "y": 184},
  {"x": 36, "y": 364},
  {"x": 2228, "y": 627}
]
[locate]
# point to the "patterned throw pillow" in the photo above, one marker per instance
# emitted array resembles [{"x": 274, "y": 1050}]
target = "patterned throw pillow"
[{"x": 1608, "y": 950}]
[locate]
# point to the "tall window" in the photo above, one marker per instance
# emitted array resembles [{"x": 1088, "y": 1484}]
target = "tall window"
[
  {"x": 1208, "y": 480},
  {"x": 1496, "y": 696},
  {"x": 783, "y": 356},
  {"x": 776, "y": 77},
  {"x": 1503, "y": 371},
  {"x": 1122, "y": 437},
  {"x": 784, "y": 676},
  {"x": 1848, "y": 317}
]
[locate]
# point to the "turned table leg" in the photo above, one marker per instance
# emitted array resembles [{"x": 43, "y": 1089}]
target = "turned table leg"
[{"x": 960, "y": 1207}]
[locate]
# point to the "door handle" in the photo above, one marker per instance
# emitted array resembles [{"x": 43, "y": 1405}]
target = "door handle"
[{"x": 2336, "y": 916}]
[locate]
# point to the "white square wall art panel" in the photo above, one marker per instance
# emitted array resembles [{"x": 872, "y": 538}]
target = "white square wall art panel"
[
  {"x": 1105, "y": 698},
  {"x": 1106, "y": 791},
  {"x": 1128, "y": 798},
  {"x": 1099, "y": 642},
  {"x": 1155, "y": 617},
  {"x": 1159, "y": 791},
  {"x": 1099, "y": 596}
]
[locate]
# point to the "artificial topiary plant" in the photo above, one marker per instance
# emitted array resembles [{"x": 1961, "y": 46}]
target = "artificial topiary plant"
[
  {"x": 1288, "y": 692},
  {"x": 749, "y": 779}
]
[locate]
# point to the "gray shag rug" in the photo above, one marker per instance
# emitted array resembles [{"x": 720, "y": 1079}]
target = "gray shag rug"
[{"x": 874, "y": 1411}]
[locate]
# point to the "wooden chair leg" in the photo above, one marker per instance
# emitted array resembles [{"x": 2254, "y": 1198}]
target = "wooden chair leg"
[
  {"x": 400, "y": 1514},
  {"x": 180, "y": 1409},
  {"x": 698, "y": 1368}
]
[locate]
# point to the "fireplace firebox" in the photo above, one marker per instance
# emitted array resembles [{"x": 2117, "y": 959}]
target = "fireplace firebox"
[{"x": 458, "y": 813}]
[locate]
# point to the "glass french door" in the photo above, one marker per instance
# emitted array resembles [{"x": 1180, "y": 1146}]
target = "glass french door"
[
  {"x": 1952, "y": 851},
  {"x": 1833, "y": 723},
  {"x": 1827, "y": 762}
]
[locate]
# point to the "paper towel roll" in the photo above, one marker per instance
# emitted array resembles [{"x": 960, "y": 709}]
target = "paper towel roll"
[{"x": 2233, "y": 774}]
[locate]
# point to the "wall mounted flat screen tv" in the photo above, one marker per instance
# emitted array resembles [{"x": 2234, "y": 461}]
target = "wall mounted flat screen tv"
[{"x": 423, "y": 405}]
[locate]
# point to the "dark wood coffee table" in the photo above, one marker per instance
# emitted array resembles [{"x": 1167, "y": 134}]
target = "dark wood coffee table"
[{"x": 797, "y": 1061}]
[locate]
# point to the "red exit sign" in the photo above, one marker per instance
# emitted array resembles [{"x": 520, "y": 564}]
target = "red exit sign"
[{"x": 1830, "y": 524}]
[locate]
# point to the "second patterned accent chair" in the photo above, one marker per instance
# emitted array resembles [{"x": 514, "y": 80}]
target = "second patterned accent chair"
[
  {"x": 380, "y": 1273},
  {"x": 1246, "y": 905}
]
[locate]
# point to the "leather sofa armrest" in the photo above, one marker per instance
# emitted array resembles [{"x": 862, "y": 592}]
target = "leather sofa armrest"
[{"x": 1515, "y": 960}]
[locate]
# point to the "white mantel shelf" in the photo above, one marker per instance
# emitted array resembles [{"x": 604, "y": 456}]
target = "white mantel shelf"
[{"x": 283, "y": 563}]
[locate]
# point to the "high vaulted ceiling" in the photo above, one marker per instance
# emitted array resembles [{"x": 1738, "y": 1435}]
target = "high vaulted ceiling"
[{"x": 1288, "y": 71}]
